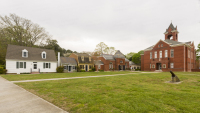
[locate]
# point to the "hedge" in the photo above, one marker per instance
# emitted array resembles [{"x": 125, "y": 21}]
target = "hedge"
[{"x": 60, "y": 69}]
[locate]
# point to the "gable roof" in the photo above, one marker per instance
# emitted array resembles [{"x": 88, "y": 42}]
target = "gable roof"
[
  {"x": 86, "y": 58},
  {"x": 169, "y": 42},
  {"x": 15, "y": 52},
  {"x": 99, "y": 62},
  {"x": 126, "y": 60},
  {"x": 118, "y": 54},
  {"x": 172, "y": 27},
  {"x": 68, "y": 60},
  {"x": 82, "y": 54},
  {"x": 108, "y": 57}
]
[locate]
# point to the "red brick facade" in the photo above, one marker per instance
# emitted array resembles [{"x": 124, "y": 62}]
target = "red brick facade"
[
  {"x": 114, "y": 63},
  {"x": 182, "y": 59}
]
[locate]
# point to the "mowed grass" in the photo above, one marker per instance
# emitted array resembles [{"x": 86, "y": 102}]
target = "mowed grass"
[
  {"x": 141, "y": 92},
  {"x": 15, "y": 77}
]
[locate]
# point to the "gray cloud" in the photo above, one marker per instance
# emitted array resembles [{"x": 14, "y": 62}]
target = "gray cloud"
[{"x": 129, "y": 25}]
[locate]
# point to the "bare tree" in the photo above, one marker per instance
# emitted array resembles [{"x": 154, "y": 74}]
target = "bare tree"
[
  {"x": 110, "y": 50},
  {"x": 100, "y": 48},
  {"x": 21, "y": 31}
]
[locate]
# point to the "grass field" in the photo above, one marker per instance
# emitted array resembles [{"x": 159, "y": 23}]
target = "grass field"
[
  {"x": 141, "y": 92},
  {"x": 15, "y": 77}
]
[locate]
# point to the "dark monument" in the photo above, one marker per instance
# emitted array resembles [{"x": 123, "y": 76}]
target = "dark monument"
[{"x": 174, "y": 77}]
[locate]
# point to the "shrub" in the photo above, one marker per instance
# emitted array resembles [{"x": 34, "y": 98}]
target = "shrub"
[
  {"x": 60, "y": 69},
  {"x": 93, "y": 69},
  {"x": 5, "y": 71},
  {"x": 4, "y": 67},
  {"x": 2, "y": 70},
  {"x": 137, "y": 69},
  {"x": 78, "y": 69},
  {"x": 82, "y": 70}
]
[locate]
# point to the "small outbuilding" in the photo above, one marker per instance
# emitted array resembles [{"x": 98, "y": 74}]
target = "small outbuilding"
[{"x": 68, "y": 63}]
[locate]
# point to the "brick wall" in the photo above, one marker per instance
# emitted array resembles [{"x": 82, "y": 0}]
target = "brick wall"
[{"x": 178, "y": 58}]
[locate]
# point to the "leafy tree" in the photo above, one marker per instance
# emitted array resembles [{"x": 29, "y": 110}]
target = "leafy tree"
[
  {"x": 129, "y": 56},
  {"x": 137, "y": 57},
  {"x": 69, "y": 51},
  {"x": 110, "y": 50},
  {"x": 198, "y": 52},
  {"x": 21, "y": 31}
]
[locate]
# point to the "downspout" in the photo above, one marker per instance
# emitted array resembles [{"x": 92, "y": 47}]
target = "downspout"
[{"x": 184, "y": 57}]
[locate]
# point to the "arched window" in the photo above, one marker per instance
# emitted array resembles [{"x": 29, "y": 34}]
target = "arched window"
[
  {"x": 110, "y": 65},
  {"x": 24, "y": 53},
  {"x": 44, "y": 55}
]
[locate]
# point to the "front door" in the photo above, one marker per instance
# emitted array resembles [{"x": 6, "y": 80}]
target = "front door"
[
  {"x": 86, "y": 67},
  {"x": 69, "y": 68},
  {"x": 35, "y": 69},
  {"x": 159, "y": 66}
]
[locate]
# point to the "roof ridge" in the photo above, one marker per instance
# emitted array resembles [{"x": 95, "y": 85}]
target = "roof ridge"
[{"x": 29, "y": 47}]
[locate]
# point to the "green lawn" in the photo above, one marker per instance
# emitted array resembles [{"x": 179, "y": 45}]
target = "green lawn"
[
  {"x": 15, "y": 77},
  {"x": 142, "y": 92}
]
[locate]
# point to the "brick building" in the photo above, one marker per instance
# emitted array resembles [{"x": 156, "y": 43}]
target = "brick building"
[
  {"x": 169, "y": 54},
  {"x": 112, "y": 62}
]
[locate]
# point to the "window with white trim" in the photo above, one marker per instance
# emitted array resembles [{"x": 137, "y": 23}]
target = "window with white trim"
[
  {"x": 150, "y": 55},
  {"x": 166, "y": 55},
  {"x": 99, "y": 66},
  {"x": 160, "y": 54},
  {"x": 172, "y": 53},
  {"x": 21, "y": 65},
  {"x": 155, "y": 54},
  {"x": 43, "y": 55},
  {"x": 153, "y": 66},
  {"x": 121, "y": 61},
  {"x": 24, "y": 53},
  {"x": 82, "y": 58},
  {"x": 46, "y": 65},
  {"x": 171, "y": 65},
  {"x": 111, "y": 65},
  {"x": 161, "y": 45}
]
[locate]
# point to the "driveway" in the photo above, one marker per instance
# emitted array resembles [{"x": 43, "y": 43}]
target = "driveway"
[{"x": 14, "y": 99}]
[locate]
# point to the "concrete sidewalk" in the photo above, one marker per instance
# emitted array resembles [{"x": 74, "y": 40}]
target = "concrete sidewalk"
[
  {"x": 14, "y": 99},
  {"x": 36, "y": 80}
]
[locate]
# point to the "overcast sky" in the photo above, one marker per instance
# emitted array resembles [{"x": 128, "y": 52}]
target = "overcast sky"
[{"x": 127, "y": 25}]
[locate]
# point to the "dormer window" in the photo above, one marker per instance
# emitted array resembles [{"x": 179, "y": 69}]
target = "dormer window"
[
  {"x": 82, "y": 58},
  {"x": 24, "y": 53},
  {"x": 43, "y": 55},
  {"x": 121, "y": 61}
]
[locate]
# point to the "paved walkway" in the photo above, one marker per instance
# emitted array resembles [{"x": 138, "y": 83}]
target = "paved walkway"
[
  {"x": 14, "y": 99},
  {"x": 67, "y": 78}
]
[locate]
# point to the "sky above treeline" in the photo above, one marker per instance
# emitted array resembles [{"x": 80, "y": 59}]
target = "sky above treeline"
[{"x": 127, "y": 25}]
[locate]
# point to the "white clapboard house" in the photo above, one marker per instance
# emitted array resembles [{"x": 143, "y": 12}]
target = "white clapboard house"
[{"x": 21, "y": 59}]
